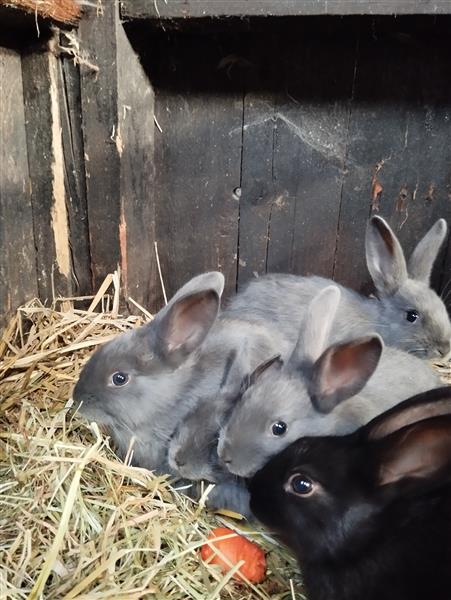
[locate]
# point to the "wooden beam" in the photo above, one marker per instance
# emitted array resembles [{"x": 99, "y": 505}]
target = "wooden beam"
[
  {"x": 135, "y": 142},
  {"x": 62, "y": 11},
  {"x": 186, "y": 9},
  {"x": 98, "y": 80},
  {"x": 69, "y": 95},
  {"x": 47, "y": 174},
  {"x": 118, "y": 137}
]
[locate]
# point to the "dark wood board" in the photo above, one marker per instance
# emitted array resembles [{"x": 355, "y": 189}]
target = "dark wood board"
[
  {"x": 257, "y": 196},
  {"x": 198, "y": 108},
  {"x": 46, "y": 168},
  {"x": 313, "y": 117},
  {"x": 100, "y": 125},
  {"x": 17, "y": 253},
  {"x": 398, "y": 155},
  {"x": 74, "y": 162},
  {"x": 136, "y": 130},
  {"x": 258, "y": 193},
  {"x": 183, "y": 9}
]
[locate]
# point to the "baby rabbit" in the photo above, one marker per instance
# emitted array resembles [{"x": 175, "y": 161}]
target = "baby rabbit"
[
  {"x": 306, "y": 396},
  {"x": 136, "y": 384},
  {"x": 192, "y": 452},
  {"x": 368, "y": 515},
  {"x": 144, "y": 382},
  {"x": 408, "y": 314}
]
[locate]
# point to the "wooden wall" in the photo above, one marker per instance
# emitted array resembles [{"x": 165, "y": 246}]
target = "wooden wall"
[
  {"x": 76, "y": 143},
  {"x": 279, "y": 141},
  {"x": 243, "y": 146}
]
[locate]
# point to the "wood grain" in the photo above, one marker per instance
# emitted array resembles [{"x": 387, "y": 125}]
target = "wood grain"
[{"x": 17, "y": 254}]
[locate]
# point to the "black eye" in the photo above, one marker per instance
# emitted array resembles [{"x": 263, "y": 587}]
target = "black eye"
[
  {"x": 119, "y": 378},
  {"x": 412, "y": 315},
  {"x": 301, "y": 484},
  {"x": 279, "y": 428}
]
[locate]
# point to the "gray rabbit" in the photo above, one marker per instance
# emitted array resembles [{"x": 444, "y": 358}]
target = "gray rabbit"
[
  {"x": 141, "y": 383},
  {"x": 192, "y": 452},
  {"x": 408, "y": 314},
  {"x": 144, "y": 382},
  {"x": 306, "y": 396}
]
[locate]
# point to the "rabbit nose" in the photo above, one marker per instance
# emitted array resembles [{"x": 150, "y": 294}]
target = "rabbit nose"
[
  {"x": 179, "y": 461},
  {"x": 445, "y": 349}
]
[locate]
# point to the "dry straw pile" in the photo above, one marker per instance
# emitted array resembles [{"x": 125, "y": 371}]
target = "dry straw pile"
[{"x": 76, "y": 522}]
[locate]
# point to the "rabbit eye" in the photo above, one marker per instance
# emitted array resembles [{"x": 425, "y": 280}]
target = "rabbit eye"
[
  {"x": 300, "y": 484},
  {"x": 279, "y": 428},
  {"x": 119, "y": 378},
  {"x": 412, "y": 315}
]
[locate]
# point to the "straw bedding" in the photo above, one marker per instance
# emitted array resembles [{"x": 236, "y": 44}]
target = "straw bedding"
[{"x": 75, "y": 521}]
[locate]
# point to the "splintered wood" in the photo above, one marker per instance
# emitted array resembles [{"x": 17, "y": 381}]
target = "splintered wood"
[{"x": 63, "y": 11}]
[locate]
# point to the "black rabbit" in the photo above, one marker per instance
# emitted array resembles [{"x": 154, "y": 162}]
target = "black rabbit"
[{"x": 368, "y": 514}]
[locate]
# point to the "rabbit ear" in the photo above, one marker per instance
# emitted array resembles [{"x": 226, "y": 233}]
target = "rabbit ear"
[
  {"x": 236, "y": 367},
  {"x": 433, "y": 403},
  {"x": 412, "y": 443},
  {"x": 343, "y": 370},
  {"x": 183, "y": 324},
  {"x": 415, "y": 456},
  {"x": 425, "y": 253},
  {"x": 315, "y": 328},
  {"x": 384, "y": 257},
  {"x": 275, "y": 362}
]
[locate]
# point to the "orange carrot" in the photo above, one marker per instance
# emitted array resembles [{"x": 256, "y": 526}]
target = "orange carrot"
[{"x": 235, "y": 549}]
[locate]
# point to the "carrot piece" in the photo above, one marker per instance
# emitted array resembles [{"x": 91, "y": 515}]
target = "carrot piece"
[{"x": 235, "y": 548}]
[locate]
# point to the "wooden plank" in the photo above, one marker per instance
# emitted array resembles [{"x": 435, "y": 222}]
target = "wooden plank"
[
  {"x": 46, "y": 167},
  {"x": 100, "y": 127},
  {"x": 69, "y": 94},
  {"x": 398, "y": 154},
  {"x": 136, "y": 138},
  {"x": 258, "y": 194},
  {"x": 293, "y": 153},
  {"x": 183, "y": 9},
  {"x": 258, "y": 191},
  {"x": 312, "y": 122},
  {"x": 17, "y": 253},
  {"x": 198, "y": 155}
]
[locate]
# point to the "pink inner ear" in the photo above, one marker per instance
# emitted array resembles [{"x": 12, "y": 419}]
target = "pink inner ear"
[
  {"x": 408, "y": 416},
  {"x": 339, "y": 374},
  {"x": 386, "y": 236},
  {"x": 348, "y": 365},
  {"x": 421, "y": 451},
  {"x": 190, "y": 320}
]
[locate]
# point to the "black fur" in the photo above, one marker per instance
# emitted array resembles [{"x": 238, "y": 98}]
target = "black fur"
[{"x": 356, "y": 539}]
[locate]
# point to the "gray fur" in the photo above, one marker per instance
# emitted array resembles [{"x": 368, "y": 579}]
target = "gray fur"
[
  {"x": 192, "y": 452},
  {"x": 282, "y": 299},
  {"x": 172, "y": 363},
  {"x": 165, "y": 373},
  {"x": 289, "y": 393}
]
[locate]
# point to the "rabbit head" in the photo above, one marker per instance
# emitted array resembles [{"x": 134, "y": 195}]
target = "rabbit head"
[
  {"x": 133, "y": 383},
  {"x": 351, "y": 499},
  {"x": 412, "y": 316},
  {"x": 282, "y": 402}
]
